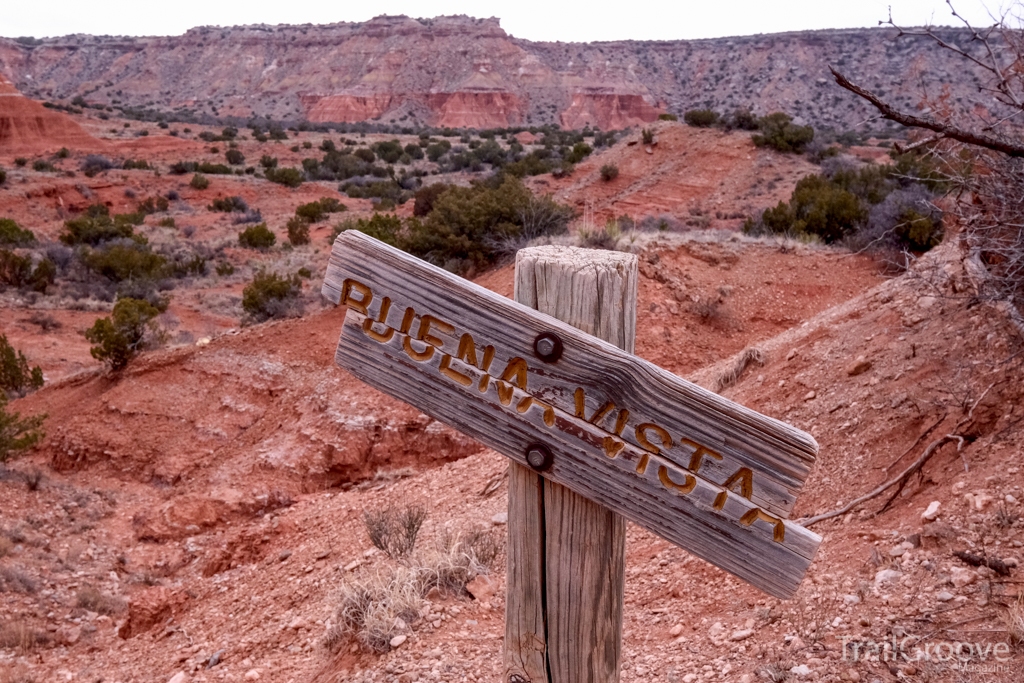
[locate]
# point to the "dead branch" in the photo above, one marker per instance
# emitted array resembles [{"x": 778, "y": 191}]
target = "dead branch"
[
  {"x": 993, "y": 563},
  {"x": 901, "y": 477},
  {"x": 911, "y": 121},
  {"x": 914, "y": 445}
]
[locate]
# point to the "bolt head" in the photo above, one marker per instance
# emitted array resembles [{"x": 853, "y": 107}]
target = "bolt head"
[
  {"x": 539, "y": 457},
  {"x": 548, "y": 347}
]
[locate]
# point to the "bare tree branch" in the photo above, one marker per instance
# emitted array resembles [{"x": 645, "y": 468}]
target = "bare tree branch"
[{"x": 946, "y": 130}]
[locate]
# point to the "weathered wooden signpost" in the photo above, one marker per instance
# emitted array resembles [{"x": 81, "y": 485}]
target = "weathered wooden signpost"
[{"x": 596, "y": 435}]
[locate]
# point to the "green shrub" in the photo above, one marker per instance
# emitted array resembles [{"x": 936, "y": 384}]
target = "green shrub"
[
  {"x": 388, "y": 151},
  {"x": 16, "y": 377},
  {"x": 579, "y": 152},
  {"x": 234, "y": 157},
  {"x": 314, "y": 212},
  {"x": 365, "y": 154},
  {"x": 609, "y": 172},
  {"x": 153, "y": 205},
  {"x": 647, "y": 135},
  {"x": 872, "y": 207},
  {"x": 126, "y": 260},
  {"x": 470, "y": 227},
  {"x": 129, "y": 330},
  {"x": 701, "y": 118},
  {"x": 214, "y": 169},
  {"x": 817, "y": 207},
  {"x": 43, "y": 166},
  {"x": 425, "y": 198},
  {"x": 15, "y": 270},
  {"x": 167, "y": 222},
  {"x": 224, "y": 269},
  {"x": 743, "y": 119},
  {"x": 270, "y": 295},
  {"x": 95, "y": 227},
  {"x": 298, "y": 231},
  {"x": 136, "y": 165},
  {"x": 267, "y": 161},
  {"x": 43, "y": 276},
  {"x": 779, "y": 132},
  {"x": 17, "y": 434},
  {"x": 289, "y": 177},
  {"x": 257, "y": 237},
  {"x": 385, "y": 227},
  {"x": 436, "y": 150},
  {"x": 199, "y": 182},
  {"x": 3, "y": 176},
  {"x": 228, "y": 205},
  {"x": 13, "y": 235},
  {"x": 667, "y": 117},
  {"x": 20, "y": 161}
]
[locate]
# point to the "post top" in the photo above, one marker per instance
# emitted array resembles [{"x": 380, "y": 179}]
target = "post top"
[{"x": 576, "y": 257}]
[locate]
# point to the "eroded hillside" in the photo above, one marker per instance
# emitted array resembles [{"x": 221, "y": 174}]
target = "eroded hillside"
[{"x": 465, "y": 72}]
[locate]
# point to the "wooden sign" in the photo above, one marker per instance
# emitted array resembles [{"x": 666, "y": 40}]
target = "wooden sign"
[{"x": 703, "y": 472}]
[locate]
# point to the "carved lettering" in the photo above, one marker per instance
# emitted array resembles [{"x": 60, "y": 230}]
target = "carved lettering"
[
  {"x": 389, "y": 332},
  {"x": 645, "y": 443},
  {"x": 361, "y": 304},
  {"x": 745, "y": 478},
  {"x": 754, "y": 514},
  {"x": 446, "y": 370},
  {"x": 423, "y": 335},
  {"x": 697, "y": 457},
  {"x": 515, "y": 375},
  {"x": 688, "y": 483},
  {"x": 549, "y": 412}
]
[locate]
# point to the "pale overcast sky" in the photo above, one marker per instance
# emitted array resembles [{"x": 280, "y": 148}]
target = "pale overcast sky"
[{"x": 530, "y": 19}]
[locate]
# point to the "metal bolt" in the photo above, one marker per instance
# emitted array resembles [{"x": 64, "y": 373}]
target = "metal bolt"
[
  {"x": 539, "y": 457},
  {"x": 548, "y": 347}
]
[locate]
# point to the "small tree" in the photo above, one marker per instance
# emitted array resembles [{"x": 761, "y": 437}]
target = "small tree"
[
  {"x": 701, "y": 118},
  {"x": 289, "y": 177},
  {"x": 234, "y": 157},
  {"x": 298, "y": 231},
  {"x": 609, "y": 172},
  {"x": 779, "y": 132},
  {"x": 257, "y": 237},
  {"x": 17, "y": 434},
  {"x": 12, "y": 234},
  {"x": 16, "y": 377},
  {"x": 130, "y": 329},
  {"x": 270, "y": 295}
]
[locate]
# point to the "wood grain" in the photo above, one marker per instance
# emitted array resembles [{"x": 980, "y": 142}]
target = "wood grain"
[
  {"x": 412, "y": 355},
  {"x": 578, "y": 545}
]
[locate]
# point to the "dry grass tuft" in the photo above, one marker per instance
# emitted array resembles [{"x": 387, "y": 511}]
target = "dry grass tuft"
[
  {"x": 1013, "y": 618},
  {"x": 774, "y": 672},
  {"x": 14, "y": 580},
  {"x": 395, "y": 530},
  {"x": 371, "y": 606},
  {"x": 92, "y": 599},
  {"x": 375, "y": 607},
  {"x": 16, "y": 634},
  {"x": 747, "y": 357}
]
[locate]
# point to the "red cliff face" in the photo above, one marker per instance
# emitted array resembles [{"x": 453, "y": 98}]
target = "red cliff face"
[
  {"x": 607, "y": 110},
  {"x": 469, "y": 109},
  {"x": 27, "y": 127},
  {"x": 347, "y": 108}
]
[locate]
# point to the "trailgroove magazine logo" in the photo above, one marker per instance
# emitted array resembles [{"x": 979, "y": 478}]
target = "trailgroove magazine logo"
[{"x": 974, "y": 657}]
